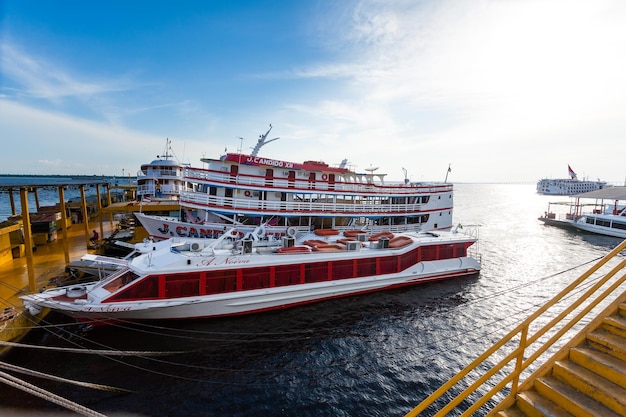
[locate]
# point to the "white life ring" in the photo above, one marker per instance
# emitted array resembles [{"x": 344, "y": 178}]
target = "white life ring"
[
  {"x": 291, "y": 231},
  {"x": 324, "y": 177},
  {"x": 246, "y": 193}
]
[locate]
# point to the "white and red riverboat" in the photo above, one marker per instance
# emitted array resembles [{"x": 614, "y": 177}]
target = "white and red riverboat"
[
  {"x": 247, "y": 190},
  {"x": 183, "y": 278}
]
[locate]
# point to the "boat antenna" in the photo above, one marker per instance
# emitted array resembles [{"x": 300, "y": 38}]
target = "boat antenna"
[
  {"x": 168, "y": 148},
  {"x": 447, "y": 172},
  {"x": 262, "y": 141},
  {"x": 240, "y": 147},
  {"x": 406, "y": 175}
]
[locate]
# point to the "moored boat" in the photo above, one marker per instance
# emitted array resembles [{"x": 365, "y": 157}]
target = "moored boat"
[
  {"x": 601, "y": 212},
  {"x": 184, "y": 278},
  {"x": 568, "y": 186},
  {"x": 247, "y": 190},
  {"x": 161, "y": 178}
]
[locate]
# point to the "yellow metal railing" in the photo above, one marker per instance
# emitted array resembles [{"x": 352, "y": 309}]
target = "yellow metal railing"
[{"x": 522, "y": 355}]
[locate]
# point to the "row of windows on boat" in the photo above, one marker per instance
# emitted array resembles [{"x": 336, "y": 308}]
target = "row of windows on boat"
[
  {"x": 606, "y": 223},
  {"x": 314, "y": 197},
  {"x": 199, "y": 283}
]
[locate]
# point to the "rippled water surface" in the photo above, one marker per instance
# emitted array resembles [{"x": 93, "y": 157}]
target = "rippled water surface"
[{"x": 373, "y": 355}]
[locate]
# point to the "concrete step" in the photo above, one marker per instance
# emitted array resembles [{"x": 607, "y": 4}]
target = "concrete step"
[
  {"x": 601, "y": 363},
  {"x": 571, "y": 400},
  {"x": 594, "y": 386},
  {"x": 533, "y": 404},
  {"x": 615, "y": 324},
  {"x": 608, "y": 342}
]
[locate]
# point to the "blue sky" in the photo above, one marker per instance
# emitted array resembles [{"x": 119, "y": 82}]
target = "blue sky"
[{"x": 504, "y": 91}]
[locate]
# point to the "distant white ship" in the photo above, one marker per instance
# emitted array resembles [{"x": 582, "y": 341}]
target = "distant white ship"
[{"x": 568, "y": 186}]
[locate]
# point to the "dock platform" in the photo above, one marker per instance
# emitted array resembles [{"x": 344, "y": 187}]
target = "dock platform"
[{"x": 48, "y": 262}]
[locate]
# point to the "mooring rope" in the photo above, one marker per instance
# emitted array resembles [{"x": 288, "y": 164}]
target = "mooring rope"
[
  {"x": 92, "y": 351},
  {"x": 30, "y": 372},
  {"x": 47, "y": 395}
]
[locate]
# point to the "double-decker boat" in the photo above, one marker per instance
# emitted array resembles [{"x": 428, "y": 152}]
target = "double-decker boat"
[
  {"x": 182, "y": 278},
  {"x": 247, "y": 190}
]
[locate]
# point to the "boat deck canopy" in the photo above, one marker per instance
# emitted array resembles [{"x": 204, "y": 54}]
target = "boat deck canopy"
[{"x": 613, "y": 193}]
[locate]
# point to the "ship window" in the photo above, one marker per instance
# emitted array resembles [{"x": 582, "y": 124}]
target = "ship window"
[
  {"x": 388, "y": 265},
  {"x": 221, "y": 281},
  {"x": 603, "y": 223},
  {"x": 408, "y": 259},
  {"x": 287, "y": 275},
  {"x": 617, "y": 225},
  {"x": 316, "y": 272},
  {"x": 446, "y": 251},
  {"x": 366, "y": 267},
  {"x": 182, "y": 285},
  {"x": 342, "y": 269},
  {"x": 145, "y": 289},
  {"x": 461, "y": 249},
  {"x": 255, "y": 278},
  {"x": 429, "y": 253}
]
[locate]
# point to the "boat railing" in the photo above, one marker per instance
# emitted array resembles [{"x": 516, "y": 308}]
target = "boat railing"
[
  {"x": 307, "y": 185},
  {"x": 151, "y": 189},
  {"x": 498, "y": 371},
  {"x": 361, "y": 208}
]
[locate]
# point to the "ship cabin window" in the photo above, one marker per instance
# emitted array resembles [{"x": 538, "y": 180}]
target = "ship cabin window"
[
  {"x": 617, "y": 225},
  {"x": 429, "y": 253},
  {"x": 343, "y": 269},
  {"x": 182, "y": 285},
  {"x": 286, "y": 275},
  {"x": 212, "y": 190},
  {"x": 147, "y": 288},
  {"x": 316, "y": 272},
  {"x": 255, "y": 278},
  {"x": 269, "y": 176},
  {"x": 221, "y": 281},
  {"x": 366, "y": 267},
  {"x": 446, "y": 251}
]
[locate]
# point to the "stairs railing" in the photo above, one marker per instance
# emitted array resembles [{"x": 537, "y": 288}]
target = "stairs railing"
[{"x": 481, "y": 381}]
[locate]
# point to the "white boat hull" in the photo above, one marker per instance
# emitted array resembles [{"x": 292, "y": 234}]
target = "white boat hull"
[
  {"x": 254, "y": 301},
  {"x": 604, "y": 230}
]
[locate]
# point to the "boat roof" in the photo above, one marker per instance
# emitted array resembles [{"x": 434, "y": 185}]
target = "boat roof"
[{"x": 613, "y": 193}]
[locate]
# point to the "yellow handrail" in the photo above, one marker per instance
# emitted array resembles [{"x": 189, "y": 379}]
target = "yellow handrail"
[{"x": 525, "y": 341}]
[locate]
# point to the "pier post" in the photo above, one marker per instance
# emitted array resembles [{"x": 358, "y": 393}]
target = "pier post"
[
  {"x": 83, "y": 201},
  {"x": 28, "y": 241},
  {"x": 66, "y": 243}
]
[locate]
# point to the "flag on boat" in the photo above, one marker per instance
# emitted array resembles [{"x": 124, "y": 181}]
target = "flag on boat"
[
  {"x": 572, "y": 174},
  {"x": 146, "y": 199}
]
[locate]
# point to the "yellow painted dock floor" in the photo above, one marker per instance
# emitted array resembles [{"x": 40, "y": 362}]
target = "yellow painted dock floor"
[{"x": 48, "y": 262}]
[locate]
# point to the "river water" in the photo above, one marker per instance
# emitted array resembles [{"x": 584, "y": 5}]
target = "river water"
[{"x": 372, "y": 355}]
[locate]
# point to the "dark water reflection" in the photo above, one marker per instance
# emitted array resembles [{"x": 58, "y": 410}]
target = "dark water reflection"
[{"x": 373, "y": 355}]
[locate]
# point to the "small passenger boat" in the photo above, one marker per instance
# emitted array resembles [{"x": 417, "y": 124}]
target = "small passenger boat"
[
  {"x": 601, "y": 212},
  {"x": 183, "y": 278}
]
